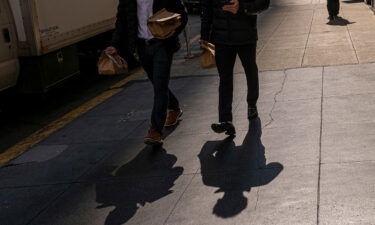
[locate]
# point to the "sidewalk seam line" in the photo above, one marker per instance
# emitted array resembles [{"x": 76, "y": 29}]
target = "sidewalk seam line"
[
  {"x": 187, "y": 186},
  {"x": 351, "y": 40},
  {"x": 308, "y": 37},
  {"x": 78, "y": 181},
  {"x": 256, "y": 203},
  {"x": 273, "y": 34},
  {"x": 348, "y": 95},
  {"x": 320, "y": 151},
  {"x": 349, "y": 162},
  {"x": 179, "y": 199},
  {"x": 48, "y": 204}
]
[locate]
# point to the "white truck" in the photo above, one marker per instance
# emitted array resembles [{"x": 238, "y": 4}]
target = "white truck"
[{"x": 41, "y": 40}]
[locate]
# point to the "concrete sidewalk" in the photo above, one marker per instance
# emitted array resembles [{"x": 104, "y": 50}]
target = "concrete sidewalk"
[
  {"x": 308, "y": 159},
  {"x": 297, "y": 33},
  {"x": 293, "y": 36}
]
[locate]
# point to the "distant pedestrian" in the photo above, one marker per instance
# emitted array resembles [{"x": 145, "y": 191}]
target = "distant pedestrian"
[
  {"x": 232, "y": 26},
  {"x": 155, "y": 56},
  {"x": 333, "y": 7}
]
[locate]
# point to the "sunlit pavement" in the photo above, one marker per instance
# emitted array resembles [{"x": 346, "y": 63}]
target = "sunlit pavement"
[{"x": 308, "y": 159}]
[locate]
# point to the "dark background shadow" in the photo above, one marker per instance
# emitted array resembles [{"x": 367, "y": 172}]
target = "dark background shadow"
[
  {"x": 147, "y": 178},
  {"x": 339, "y": 21},
  {"x": 236, "y": 169}
]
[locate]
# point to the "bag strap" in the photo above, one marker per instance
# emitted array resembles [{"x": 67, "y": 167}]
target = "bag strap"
[{"x": 114, "y": 60}]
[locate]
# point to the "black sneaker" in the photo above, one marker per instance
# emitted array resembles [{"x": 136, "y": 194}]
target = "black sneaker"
[
  {"x": 252, "y": 112},
  {"x": 226, "y": 127}
]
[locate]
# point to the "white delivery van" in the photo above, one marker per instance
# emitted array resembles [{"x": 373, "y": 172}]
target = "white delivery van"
[{"x": 40, "y": 39}]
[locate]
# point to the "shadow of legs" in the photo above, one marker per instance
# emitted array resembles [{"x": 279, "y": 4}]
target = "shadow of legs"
[
  {"x": 234, "y": 170},
  {"x": 145, "y": 179},
  {"x": 232, "y": 203}
]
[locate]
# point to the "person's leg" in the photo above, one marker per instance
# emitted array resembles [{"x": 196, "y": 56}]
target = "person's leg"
[
  {"x": 225, "y": 59},
  {"x": 332, "y": 6},
  {"x": 130, "y": 59},
  {"x": 173, "y": 103},
  {"x": 329, "y": 9},
  {"x": 162, "y": 61},
  {"x": 148, "y": 65},
  {"x": 145, "y": 59},
  {"x": 337, "y": 8},
  {"x": 247, "y": 55}
]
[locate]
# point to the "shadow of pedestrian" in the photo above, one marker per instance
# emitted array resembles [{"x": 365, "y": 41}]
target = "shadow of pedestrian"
[
  {"x": 236, "y": 169},
  {"x": 339, "y": 21},
  {"x": 146, "y": 179},
  {"x": 353, "y": 1}
]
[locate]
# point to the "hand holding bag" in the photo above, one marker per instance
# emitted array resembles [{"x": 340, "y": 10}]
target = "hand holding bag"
[
  {"x": 208, "y": 56},
  {"x": 111, "y": 64},
  {"x": 163, "y": 24}
]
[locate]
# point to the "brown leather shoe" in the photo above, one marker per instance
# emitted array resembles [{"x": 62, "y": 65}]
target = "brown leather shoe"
[
  {"x": 153, "y": 137},
  {"x": 173, "y": 117}
]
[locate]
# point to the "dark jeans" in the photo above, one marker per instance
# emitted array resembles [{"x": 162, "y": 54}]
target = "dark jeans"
[
  {"x": 333, "y": 7},
  {"x": 156, "y": 60},
  {"x": 225, "y": 60}
]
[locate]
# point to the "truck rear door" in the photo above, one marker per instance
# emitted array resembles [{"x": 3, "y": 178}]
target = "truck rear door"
[{"x": 9, "y": 67}]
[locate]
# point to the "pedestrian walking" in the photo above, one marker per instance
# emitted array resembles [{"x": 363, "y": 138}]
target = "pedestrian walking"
[
  {"x": 155, "y": 56},
  {"x": 333, "y": 7},
  {"x": 232, "y": 27}
]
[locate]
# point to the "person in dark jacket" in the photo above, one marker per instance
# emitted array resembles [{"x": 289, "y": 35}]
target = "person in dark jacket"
[
  {"x": 333, "y": 7},
  {"x": 232, "y": 27},
  {"x": 155, "y": 56}
]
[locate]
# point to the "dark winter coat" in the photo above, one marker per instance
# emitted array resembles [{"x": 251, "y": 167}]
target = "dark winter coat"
[
  {"x": 126, "y": 32},
  {"x": 222, "y": 27}
]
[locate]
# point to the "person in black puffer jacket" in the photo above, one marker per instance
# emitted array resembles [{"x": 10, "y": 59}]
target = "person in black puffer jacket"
[{"x": 232, "y": 27}]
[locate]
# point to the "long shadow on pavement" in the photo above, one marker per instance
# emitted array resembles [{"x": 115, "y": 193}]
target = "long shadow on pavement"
[
  {"x": 339, "y": 21},
  {"x": 236, "y": 169},
  {"x": 353, "y": 1},
  {"x": 145, "y": 179}
]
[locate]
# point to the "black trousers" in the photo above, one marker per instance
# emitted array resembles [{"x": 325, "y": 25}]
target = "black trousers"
[
  {"x": 156, "y": 60},
  {"x": 333, "y": 7},
  {"x": 225, "y": 60}
]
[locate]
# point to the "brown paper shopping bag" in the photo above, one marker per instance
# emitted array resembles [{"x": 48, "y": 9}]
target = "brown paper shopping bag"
[
  {"x": 163, "y": 24},
  {"x": 111, "y": 64},
  {"x": 208, "y": 56}
]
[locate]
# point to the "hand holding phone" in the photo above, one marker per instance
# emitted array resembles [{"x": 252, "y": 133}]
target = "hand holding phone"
[{"x": 232, "y": 7}]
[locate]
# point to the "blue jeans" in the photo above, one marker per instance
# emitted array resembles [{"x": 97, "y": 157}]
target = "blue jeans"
[{"x": 156, "y": 60}]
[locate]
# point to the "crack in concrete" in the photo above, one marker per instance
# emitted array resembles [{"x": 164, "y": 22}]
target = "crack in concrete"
[{"x": 275, "y": 101}]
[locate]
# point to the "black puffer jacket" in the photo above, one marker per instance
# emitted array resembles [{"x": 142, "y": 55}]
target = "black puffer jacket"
[
  {"x": 125, "y": 34},
  {"x": 221, "y": 27}
]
